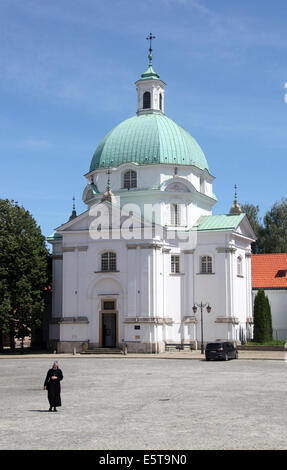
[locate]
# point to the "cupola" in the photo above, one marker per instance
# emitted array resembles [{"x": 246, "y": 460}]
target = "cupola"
[{"x": 150, "y": 88}]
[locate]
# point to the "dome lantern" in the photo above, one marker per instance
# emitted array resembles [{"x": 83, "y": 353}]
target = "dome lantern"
[{"x": 150, "y": 88}]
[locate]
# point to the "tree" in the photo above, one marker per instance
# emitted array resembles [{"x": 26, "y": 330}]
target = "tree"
[
  {"x": 259, "y": 317},
  {"x": 252, "y": 213},
  {"x": 268, "y": 320},
  {"x": 23, "y": 269},
  {"x": 272, "y": 234},
  {"x": 262, "y": 318},
  {"x": 275, "y": 228}
]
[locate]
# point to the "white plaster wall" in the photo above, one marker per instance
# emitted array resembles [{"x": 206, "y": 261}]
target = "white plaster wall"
[
  {"x": 151, "y": 177},
  {"x": 57, "y": 287},
  {"x": 70, "y": 284},
  {"x": 278, "y": 304},
  {"x": 74, "y": 332},
  {"x": 223, "y": 290}
]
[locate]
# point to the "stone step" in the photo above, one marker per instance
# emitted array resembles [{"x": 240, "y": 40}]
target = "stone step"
[{"x": 103, "y": 351}]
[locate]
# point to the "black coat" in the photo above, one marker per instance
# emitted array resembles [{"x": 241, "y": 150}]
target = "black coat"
[{"x": 54, "y": 387}]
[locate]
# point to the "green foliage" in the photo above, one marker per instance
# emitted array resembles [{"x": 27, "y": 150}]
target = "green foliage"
[
  {"x": 23, "y": 268},
  {"x": 268, "y": 320},
  {"x": 262, "y": 318},
  {"x": 275, "y": 230},
  {"x": 272, "y": 233},
  {"x": 274, "y": 342},
  {"x": 259, "y": 317},
  {"x": 252, "y": 213}
]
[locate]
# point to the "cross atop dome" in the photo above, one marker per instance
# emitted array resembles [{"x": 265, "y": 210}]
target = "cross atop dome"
[{"x": 150, "y": 38}]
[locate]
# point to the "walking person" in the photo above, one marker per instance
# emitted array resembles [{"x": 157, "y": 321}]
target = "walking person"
[{"x": 52, "y": 384}]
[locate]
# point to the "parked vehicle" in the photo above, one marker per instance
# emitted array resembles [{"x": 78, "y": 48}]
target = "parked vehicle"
[{"x": 221, "y": 350}]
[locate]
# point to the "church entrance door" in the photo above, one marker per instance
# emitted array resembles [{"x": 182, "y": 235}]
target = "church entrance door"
[
  {"x": 109, "y": 330},
  {"x": 108, "y": 324}
]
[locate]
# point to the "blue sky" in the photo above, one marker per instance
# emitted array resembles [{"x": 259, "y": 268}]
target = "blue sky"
[{"x": 67, "y": 77}]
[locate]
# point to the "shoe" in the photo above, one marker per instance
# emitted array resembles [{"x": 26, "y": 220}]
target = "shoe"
[
  {"x": 50, "y": 409},
  {"x": 55, "y": 409}
]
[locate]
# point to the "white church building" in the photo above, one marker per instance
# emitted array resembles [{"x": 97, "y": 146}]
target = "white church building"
[{"x": 131, "y": 270}]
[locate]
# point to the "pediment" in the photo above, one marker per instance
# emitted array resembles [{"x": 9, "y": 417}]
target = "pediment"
[
  {"x": 104, "y": 216},
  {"x": 177, "y": 187},
  {"x": 245, "y": 229},
  {"x": 177, "y": 184}
]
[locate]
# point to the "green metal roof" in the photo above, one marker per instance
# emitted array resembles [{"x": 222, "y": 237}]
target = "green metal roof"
[
  {"x": 54, "y": 236},
  {"x": 150, "y": 74},
  {"x": 147, "y": 139},
  {"x": 218, "y": 222}
]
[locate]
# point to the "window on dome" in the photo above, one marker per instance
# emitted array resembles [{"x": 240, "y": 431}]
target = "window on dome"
[
  {"x": 130, "y": 179},
  {"x": 146, "y": 100},
  {"x": 160, "y": 101},
  {"x": 109, "y": 261},
  {"x": 175, "y": 214},
  {"x": 206, "y": 265}
]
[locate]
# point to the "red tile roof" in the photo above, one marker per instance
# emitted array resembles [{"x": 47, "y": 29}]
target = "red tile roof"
[{"x": 269, "y": 270}]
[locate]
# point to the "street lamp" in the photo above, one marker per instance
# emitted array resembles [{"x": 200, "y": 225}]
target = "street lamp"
[{"x": 208, "y": 308}]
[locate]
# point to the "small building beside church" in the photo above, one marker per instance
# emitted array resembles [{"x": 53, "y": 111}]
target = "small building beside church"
[
  {"x": 131, "y": 269},
  {"x": 269, "y": 272}
]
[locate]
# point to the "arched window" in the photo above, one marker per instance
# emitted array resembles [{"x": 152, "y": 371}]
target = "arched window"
[
  {"x": 160, "y": 101},
  {"x": 239, "y": 266},
  {"x": 174, "y": 214},
  {"x": 146, "y": 100},
  {"x": 130, "y": 179},
  {"x": 109, "y": 261},
  {"x": 206, "y": 264}
]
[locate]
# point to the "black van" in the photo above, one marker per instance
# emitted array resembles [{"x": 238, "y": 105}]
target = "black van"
[{"x": 222, "y": 351}]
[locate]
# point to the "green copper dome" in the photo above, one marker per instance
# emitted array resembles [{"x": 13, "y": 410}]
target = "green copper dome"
[{"x": 147, "y": 139}]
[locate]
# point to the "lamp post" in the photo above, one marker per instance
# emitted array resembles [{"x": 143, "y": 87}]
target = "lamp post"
[{"x": 208, "y": 308}]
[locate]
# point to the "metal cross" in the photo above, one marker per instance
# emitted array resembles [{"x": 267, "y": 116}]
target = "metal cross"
[{"x": 150, "y": 38}]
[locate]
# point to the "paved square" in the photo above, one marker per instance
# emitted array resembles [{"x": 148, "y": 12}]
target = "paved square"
[{"x": 144, "y": 403}]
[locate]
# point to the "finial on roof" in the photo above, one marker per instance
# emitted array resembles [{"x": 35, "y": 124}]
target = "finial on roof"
[
  {"x": 235, "y": 209},
  {"x": 150, "y": 74},
  {"x": 74, "y": 213},
  {"x": 108, "y": 194}
]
